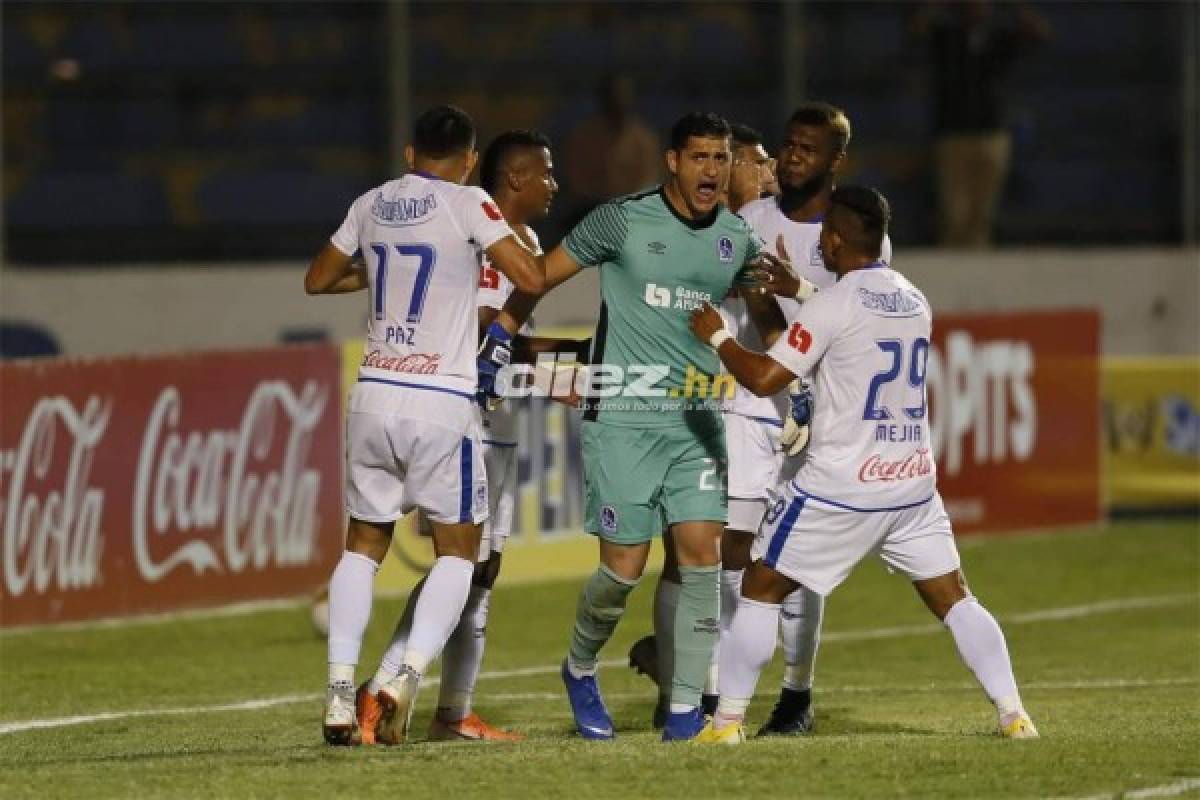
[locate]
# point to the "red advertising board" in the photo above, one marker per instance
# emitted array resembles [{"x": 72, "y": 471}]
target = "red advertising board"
[
  {"x": 136, "y": 485},
  {"x": 1015, "y": 412}
]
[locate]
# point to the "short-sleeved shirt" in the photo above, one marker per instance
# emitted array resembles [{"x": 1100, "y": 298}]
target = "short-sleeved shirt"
[
  {"x": 802, "y": 240},
  {"x": 500, "y": 423},
  {"x": 866, "y": 342},
  {"x": 656, "y": 268},
  {"x": 421, "y": 238}
]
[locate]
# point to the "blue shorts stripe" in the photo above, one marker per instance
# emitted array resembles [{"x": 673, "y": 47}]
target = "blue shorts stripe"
[
  {"x": 779, "y": 538},
  {"x": 422, "y": 386},
  {"x": 801, "y": 493},
  {"x": 464, "y": 500}
]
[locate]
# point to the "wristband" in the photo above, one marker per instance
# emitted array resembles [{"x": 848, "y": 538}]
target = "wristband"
[
  {"x": 719, "y": 336},
  {"x": 805, "y": 290},
  {"x": 498, "y": 332}
]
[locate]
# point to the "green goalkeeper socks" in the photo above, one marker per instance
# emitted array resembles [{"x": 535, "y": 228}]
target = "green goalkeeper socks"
[
  {"x": 696, "y": 627},
  {"x": 601, "y": 604}
]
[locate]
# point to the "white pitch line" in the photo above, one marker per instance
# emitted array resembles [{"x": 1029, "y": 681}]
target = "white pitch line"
[
  {"x": 1020, "y": 618},
  {"x": 1166, "y": 790},
  {"x": 1043, "y": 615}
]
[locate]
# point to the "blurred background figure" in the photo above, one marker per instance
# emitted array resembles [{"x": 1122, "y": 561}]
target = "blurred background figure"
[
  {"x": 971, "y": 50},
  {"x": 611, "y": 153},
  {"x": 751, "y": 176}
]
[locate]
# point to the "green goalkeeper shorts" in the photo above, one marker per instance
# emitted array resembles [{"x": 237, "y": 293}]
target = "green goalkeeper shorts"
[{"x": 636, "y": 480}]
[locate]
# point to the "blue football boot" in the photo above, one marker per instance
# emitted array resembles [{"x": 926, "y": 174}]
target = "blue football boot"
[
  {"x": 684, "y": 726},
  {"x": 591, "y": 716}
]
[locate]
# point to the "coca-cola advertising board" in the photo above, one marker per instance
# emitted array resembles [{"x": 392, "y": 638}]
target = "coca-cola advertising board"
[
  {"x": 148, "y": 484},
  {"x": 1015, "y": 418}
]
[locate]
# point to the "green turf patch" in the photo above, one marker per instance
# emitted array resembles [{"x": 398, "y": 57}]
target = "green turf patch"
[{"x": 1112, "y": 680}]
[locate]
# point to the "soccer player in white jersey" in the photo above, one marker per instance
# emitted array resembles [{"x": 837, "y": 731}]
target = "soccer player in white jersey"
[
  {"x": 811, "y": 153},
  {"x": 412, "y": 431},
  {"x": 869, "y": 482},
  {"x": 518, "y": 173}
]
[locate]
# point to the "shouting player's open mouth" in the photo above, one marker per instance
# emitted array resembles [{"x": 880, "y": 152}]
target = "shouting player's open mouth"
[{"x": 706, "y": 194}]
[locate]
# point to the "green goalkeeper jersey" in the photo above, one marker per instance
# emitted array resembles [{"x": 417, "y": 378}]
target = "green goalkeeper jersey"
[{"x": 656, "y": 267}]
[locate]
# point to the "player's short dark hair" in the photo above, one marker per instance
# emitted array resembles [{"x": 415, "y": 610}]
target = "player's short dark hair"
[
  {"x": 443, "y": 131},
  {"x": 501, "y": 149},
  {"x": 872, "y": 211},
  {"x": 698, "y": 123},
  {"x": 743, "y": 135},
  {"x": 817, "y": 112}
]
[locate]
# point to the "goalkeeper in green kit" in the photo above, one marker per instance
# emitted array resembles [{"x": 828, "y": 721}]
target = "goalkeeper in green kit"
[{"x": 653, "y": 436}]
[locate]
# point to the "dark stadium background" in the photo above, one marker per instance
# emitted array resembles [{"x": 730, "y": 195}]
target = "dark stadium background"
[{"x": 138, "y": 131}]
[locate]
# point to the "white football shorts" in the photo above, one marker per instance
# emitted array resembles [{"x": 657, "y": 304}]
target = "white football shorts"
[
  {"x": 816, "y": 542},
  {"x": 501, "y": 463},
  {"x": 414, "y": 449},
  {"x": 755, "y": 461}
]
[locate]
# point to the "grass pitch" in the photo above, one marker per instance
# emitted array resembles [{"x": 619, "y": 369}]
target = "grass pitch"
[{"x": 1102, "y": 625}]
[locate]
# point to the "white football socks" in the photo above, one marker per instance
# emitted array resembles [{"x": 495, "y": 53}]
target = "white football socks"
[
  {"x": 731, "y": 590},
  {"x": 983, "y": 649},
  {"x": 462, "y": 657},
  {"x": 351, "y": 590},
  {"x": 438, "y": 610},
  {"x": 393, "y": 657},
  {"x": 750, "y": 645},
  {"x": 666, "y": 603},
  {"x": 800, "y": 629}
]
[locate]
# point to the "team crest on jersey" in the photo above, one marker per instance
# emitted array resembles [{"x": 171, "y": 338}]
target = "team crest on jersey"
[
  {"x": 608, "y": 519},
  {"x": 725, "y": 250}
]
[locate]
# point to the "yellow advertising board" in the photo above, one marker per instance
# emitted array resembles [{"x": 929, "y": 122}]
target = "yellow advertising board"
[{"x": 1151, "y": 422}]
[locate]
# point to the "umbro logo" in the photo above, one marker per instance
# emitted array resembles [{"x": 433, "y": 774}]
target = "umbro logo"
[{"x": 656, "y": 248}]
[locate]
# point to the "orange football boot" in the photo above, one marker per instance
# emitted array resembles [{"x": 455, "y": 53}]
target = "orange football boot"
[
  {"x": 471, "y": 728},
  {"x": 368, "y": 710}
]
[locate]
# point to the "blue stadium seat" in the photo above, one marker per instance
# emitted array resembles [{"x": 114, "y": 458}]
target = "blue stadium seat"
[
  {"x": 275, "y": 196},
  {"x": 92, "y": 200}
]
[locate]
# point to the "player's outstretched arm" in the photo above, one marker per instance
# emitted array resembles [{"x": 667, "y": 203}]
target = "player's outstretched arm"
[
  {"x": 334, "y": 272},
  {"x": 758, "y": 372},
  {"x": 526, "y": 270},
  {"x": 560, "y": 267},
  {"x": 765, "y": 313}
]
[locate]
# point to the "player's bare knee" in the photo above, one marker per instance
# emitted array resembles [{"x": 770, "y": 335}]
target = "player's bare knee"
[
  {"x": 370, "y": 539},
  {"x": 735, "y": 549},
  {"x": 626, "y": 561},
  {"x": 764, "y": 585},
  {"x": 697, "y": 544},
  {"x": 456, "y": 541},
  {"x": 940, "y": 594}
]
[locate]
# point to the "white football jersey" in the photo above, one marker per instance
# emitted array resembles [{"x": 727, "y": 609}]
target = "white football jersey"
[
  {"x": 500, "y": 424},
  {"x": 803, "y": 243},
  {"x": 866, "y": 342},
  {"x": 421, "y": 238}
]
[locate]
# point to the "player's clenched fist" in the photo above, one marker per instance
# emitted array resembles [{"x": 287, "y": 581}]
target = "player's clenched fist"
[{"x": 706, "y": 322}]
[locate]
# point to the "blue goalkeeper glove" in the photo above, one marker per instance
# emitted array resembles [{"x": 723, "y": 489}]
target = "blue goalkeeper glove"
[
  {"x": 796, "y": 426},
  {"x": 495, "y": 353}
]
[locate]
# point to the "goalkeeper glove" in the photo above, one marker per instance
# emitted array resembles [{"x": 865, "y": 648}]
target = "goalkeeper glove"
[
  {"x": 495, "y": 353},
  {"x": 795, "y": 427}
]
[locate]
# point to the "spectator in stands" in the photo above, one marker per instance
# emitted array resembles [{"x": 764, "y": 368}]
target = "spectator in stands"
[
  {"x": 972, "y": 49},
  {"x": 611, "y": 153}
]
